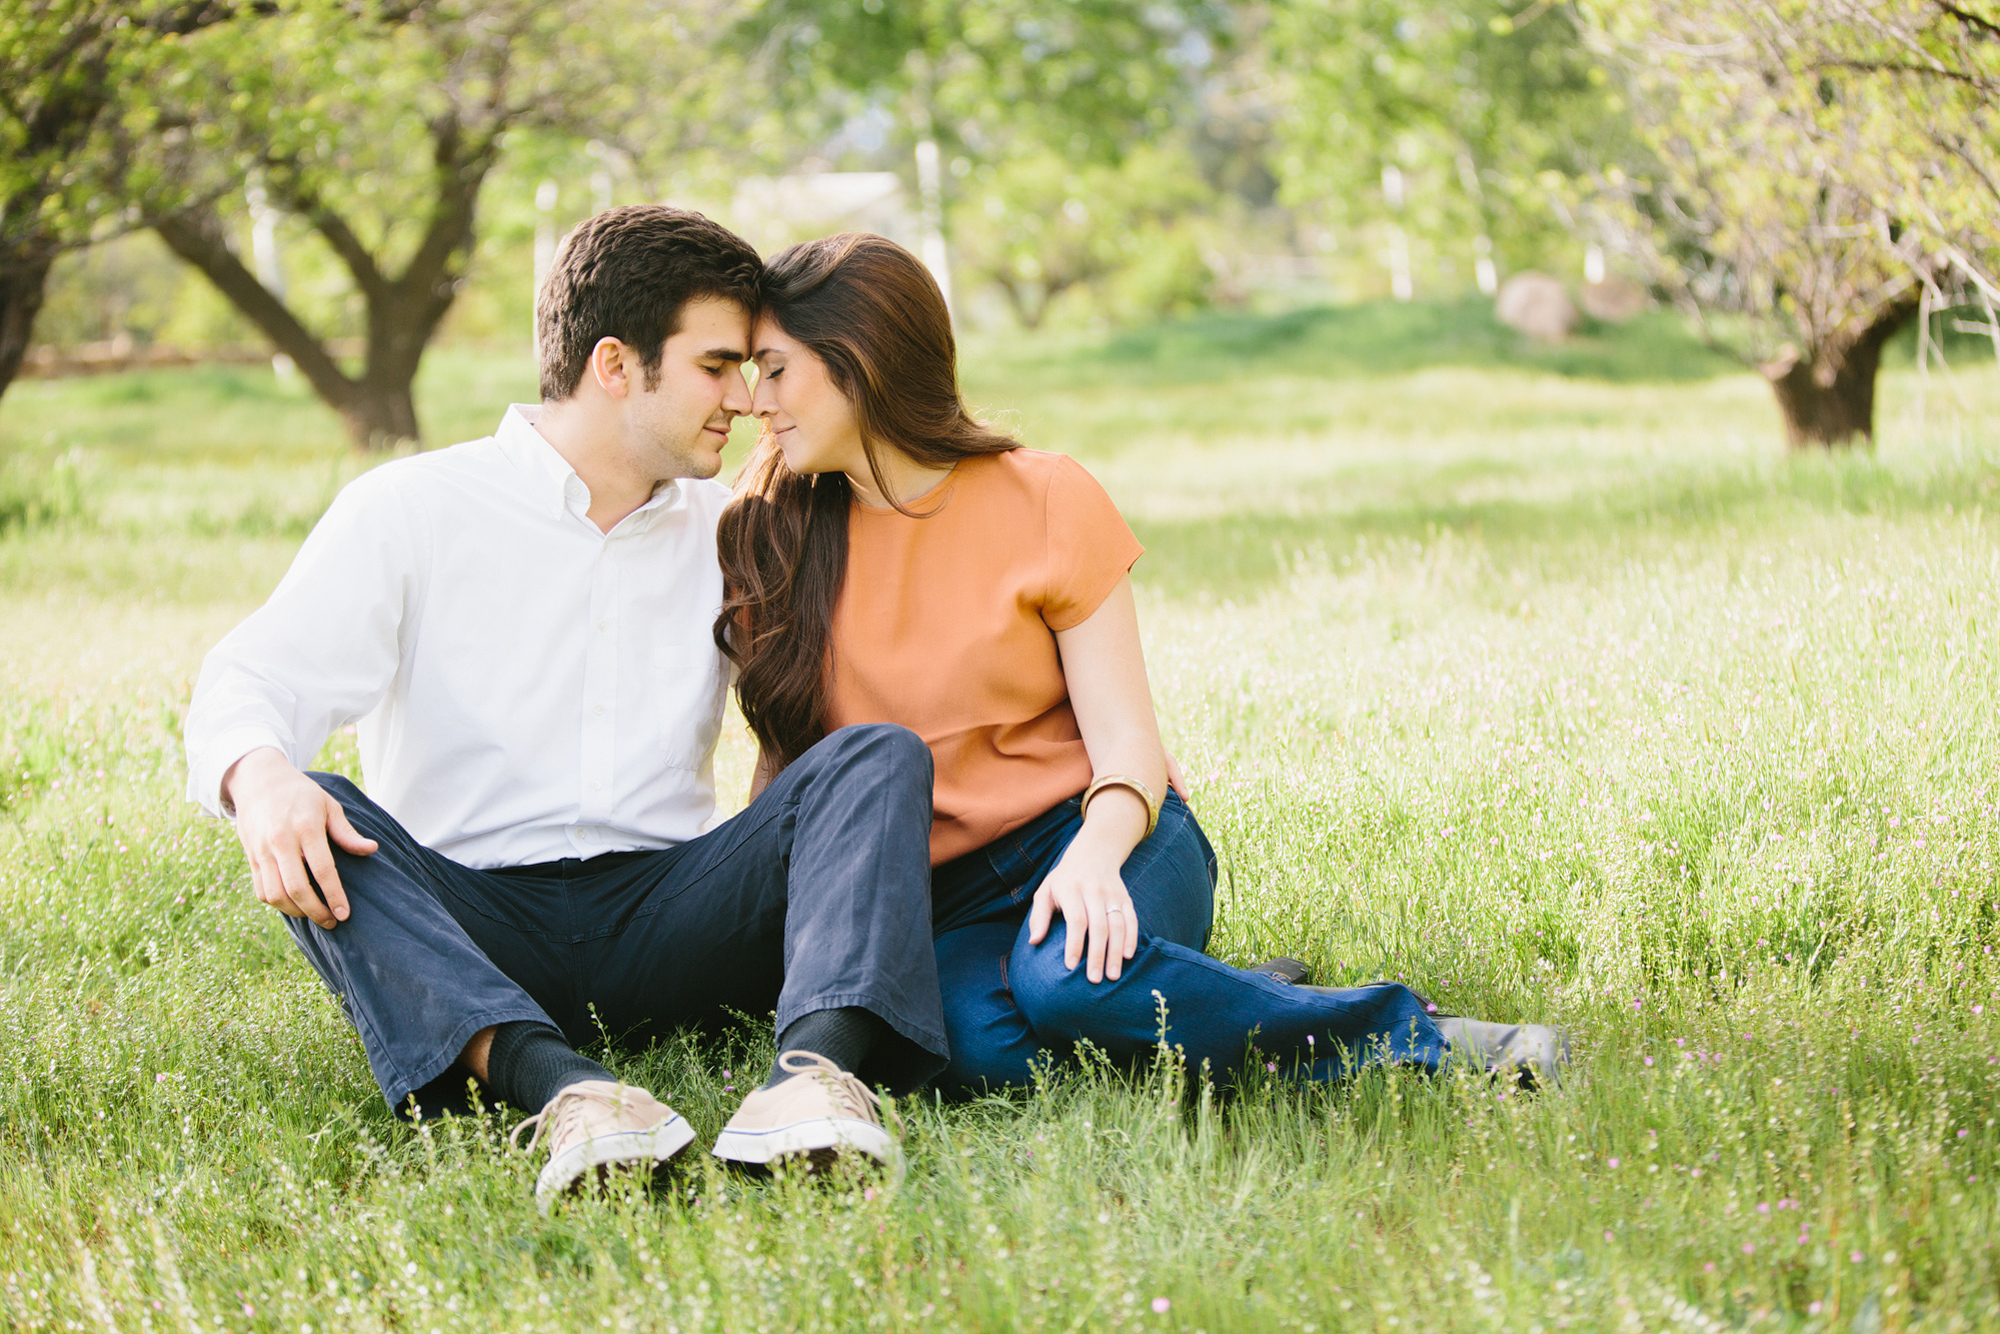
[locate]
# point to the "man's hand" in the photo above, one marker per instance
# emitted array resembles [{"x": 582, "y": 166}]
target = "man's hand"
[{"x": 284, "y": 819}]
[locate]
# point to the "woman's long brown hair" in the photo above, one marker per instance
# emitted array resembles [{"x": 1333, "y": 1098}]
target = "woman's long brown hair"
[{"x": 872, "y": 313}]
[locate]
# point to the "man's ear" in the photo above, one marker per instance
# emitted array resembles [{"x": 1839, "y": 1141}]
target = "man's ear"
[{"x": 611, "y": 363}]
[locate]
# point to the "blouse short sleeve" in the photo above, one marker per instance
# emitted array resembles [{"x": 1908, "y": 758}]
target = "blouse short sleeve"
[{"x": 1090, "y": 548}]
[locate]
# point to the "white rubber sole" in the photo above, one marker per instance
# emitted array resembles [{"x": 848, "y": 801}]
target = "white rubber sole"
[
  {"x": 820, "y": 1136},
  {"x": 655, "y": 1144}
]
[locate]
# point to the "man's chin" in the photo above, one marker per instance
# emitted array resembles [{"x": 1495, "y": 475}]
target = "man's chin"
[{"x": 700, "y": 463}]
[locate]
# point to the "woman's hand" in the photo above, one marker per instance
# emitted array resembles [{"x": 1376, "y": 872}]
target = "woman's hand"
[{"x": 1085, "y": 885}]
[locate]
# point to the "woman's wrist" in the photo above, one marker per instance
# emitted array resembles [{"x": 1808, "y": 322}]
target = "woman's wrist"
[{"x": 1115, "y": 823}]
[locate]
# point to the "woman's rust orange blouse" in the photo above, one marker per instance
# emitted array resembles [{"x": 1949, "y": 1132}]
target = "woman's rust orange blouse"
[{"x": 946, "y": 625}]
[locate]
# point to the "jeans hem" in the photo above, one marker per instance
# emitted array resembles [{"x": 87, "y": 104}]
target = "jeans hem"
[
  {"x": 931, "y": 1041},
  {"x": 461, "y": 1035}
]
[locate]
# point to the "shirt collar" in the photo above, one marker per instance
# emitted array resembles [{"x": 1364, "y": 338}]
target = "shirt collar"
[{"x": 549, "y": 474}]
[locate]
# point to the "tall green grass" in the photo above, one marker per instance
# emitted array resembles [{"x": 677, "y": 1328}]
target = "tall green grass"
[{"x": 1563, "y": 697}]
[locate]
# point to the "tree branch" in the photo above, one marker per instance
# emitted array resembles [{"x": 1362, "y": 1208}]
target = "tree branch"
[
  {"x": 1901, "y": 67},
  {"x": 197, "y": 236},
  {"x": 1978, "y": 23},
  {"x": 288, "y": 181}
]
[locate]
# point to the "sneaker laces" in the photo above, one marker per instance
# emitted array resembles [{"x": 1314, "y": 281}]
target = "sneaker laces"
[
  {"x": 561, "y": 1113},
  {"x": 850, "y": 1096}
]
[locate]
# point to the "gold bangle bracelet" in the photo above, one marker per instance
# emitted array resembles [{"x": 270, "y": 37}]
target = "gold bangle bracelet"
[{"x": 1143, "y": 792}]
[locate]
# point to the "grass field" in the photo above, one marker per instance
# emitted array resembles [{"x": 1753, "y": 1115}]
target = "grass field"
[{"x": 1540, "y": 679}]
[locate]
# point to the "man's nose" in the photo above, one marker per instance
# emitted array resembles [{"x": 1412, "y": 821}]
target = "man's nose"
[{"x": 737, "y": 396}]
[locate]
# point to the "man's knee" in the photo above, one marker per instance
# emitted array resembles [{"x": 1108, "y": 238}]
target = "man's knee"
[
  {"x": 883, "y": 749},
  {"x": 343, "y": 790},
  {"x": 367, "y": 818}
]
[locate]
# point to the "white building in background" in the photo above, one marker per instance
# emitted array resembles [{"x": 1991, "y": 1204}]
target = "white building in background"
[{"x": 773, "y": 212}]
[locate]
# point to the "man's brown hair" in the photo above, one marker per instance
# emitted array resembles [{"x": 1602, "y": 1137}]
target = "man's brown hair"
[{"x": 626, "y": 274}]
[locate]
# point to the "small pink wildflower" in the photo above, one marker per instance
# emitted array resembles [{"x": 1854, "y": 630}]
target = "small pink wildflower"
[
  {"x": 1611, "y": 1162},
  {"x": 868, "y": 1194},
  {"x": 1162, "y": 1305},
  {"x": 1815, "y": 1308},
  {"x": 1708, "y": 1268},
  {"x": 1749, "y": 1248},
  {"x": 1609, "y": 1235},
  {"x": 1649, "y": 1060},
  {"x": 1857, "y": 1257}
]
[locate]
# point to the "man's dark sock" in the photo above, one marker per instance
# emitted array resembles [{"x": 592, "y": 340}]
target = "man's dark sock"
[
  {"x": 529, "y": 1063},
  {"x": 844, "y": 1036}
]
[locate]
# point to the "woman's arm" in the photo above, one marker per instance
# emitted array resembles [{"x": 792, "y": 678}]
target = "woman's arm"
[{"x": 1105, "y": 670}]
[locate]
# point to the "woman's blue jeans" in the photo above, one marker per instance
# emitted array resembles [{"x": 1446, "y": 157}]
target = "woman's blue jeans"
[{"x": 1007, "y": 1002}]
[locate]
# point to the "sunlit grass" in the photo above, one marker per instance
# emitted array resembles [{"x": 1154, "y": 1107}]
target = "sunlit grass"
[{"x": 1559, "y": 698}]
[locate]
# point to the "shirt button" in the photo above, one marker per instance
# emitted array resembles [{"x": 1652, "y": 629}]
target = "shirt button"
[
  {"x": 604, "y": 625},
  {"x": 598, "y": 709},
  {"x": 597, "y": 787}
]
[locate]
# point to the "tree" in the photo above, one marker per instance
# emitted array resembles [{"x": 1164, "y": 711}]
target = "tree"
[
  {"x": 1764, "y": 213},
  {"x": 1455, "y": 124},
  {"x": 984, "y": 81},
  {"x": 1919, "y": 82},
  {"x": 377, "y": 125},
  {"x": 1037, "y": 226},
  {"x": 73, "y": 102}
]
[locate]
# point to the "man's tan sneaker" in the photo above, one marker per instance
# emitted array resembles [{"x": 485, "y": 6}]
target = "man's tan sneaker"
[
  {"x": 594, "y": 1124},
  {"x": 819, "y": 1112}
]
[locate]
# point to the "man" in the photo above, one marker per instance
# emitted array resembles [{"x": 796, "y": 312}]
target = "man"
[{"x": 521, "y": 626}]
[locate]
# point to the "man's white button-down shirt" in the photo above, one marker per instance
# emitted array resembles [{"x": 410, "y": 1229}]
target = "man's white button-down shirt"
[{"x": 527, "y": 688}]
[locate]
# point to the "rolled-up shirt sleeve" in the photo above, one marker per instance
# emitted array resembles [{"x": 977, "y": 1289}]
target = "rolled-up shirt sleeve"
[{"x": 321, "y": 653}]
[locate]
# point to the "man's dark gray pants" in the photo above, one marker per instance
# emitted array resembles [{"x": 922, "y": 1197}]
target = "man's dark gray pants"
[{"x": 817, "y": 896}]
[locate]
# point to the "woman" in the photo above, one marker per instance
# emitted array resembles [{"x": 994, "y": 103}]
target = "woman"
[{"x": 889, "y": 559}]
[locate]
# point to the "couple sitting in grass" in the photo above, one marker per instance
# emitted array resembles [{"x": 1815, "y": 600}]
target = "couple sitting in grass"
[{"x": 961, "y": 856}]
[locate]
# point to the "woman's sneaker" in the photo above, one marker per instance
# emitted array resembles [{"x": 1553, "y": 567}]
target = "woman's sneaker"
[
  {"x": 595, "y": 1124},
  {"x": 819, "y": 1113},
  {"x": 1292, "y": 972}
]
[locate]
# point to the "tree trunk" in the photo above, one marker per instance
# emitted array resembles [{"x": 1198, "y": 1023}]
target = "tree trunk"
[
  {"x": 1828, "y": 400},
  {"x": 404, "y": 310},
  {"x": 24, "y": 277},
  {"x": 376, "y": 406},
  {"x": 381, "y": 413}
]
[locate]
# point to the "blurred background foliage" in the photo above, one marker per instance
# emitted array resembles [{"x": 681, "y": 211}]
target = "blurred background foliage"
[{"x": 349, "y": 182}]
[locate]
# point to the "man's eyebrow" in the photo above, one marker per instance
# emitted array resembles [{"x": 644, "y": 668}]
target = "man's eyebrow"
[{"x": 724, "y": 354}]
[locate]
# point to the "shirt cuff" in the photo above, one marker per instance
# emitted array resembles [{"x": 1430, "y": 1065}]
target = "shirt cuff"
[{"x": 205, "y": 770}]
